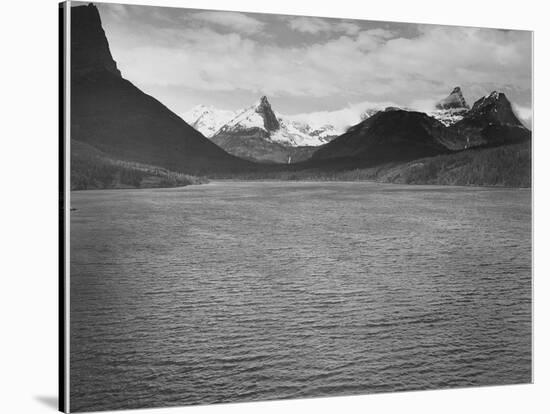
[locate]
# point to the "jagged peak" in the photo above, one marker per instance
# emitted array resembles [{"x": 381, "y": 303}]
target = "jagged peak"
[
  {"x": 493, "y": 97},
  {"x": 453, "y": 101},
  {"x": 271, "y": 123},
  {"x": 90, "y": 53},
  {"x": 496, "y": 95},
  {"x": 263, "y": 101},
  {"x": 494, "y": 108}
]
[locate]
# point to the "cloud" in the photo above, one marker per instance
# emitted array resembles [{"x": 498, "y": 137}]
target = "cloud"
[
  {"x": 341, "y": 118},
  {"x": 316, "y": 25},
  {"x": 350, "y": 65},
  {"x": 371, "y": 39},
  {"x": 525, "y": 114},
  {"x": 311, "y": 25},
  {"x": 119, "y": 11},
  {"x": 233, "y": 20}
]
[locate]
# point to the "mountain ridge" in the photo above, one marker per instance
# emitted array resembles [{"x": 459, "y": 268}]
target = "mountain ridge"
[
  {"x": 387, "y": 136},
  {"x": 399, "y": 135}
]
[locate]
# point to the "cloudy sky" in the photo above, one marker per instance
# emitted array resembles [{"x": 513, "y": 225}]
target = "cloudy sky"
[{"x": 186, "y": 57}]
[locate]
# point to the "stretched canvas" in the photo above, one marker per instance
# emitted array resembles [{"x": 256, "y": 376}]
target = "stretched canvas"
[{"x": 260, "y": 207}]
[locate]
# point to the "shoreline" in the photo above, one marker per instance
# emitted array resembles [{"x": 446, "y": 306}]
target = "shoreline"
[
  {"x": 371, "y": 182},
  {"x": 313, "y": 181}
]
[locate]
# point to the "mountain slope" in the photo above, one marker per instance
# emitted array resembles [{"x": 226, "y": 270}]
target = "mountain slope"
[
  {"x": 111, "y": 114},
  {"x": 387, "y": 136},
  {"x": 208, "y": 119},
  {"x": 92, "y": 169}
]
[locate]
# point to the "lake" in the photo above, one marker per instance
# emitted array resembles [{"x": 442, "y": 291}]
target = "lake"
[{"x": 242, "y": 291}]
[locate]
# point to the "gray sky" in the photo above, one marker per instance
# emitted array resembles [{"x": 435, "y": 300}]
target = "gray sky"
[{"x": 186, "y": 57}]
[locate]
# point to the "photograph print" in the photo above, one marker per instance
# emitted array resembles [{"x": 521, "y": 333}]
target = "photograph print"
[{"x": 261, "y": 207}]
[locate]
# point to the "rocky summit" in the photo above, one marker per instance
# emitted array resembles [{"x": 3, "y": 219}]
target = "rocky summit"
[
  {"x": 90, "y": 53},
  {"x": 270, "y": 120},
  {"x": 494, "y": 108},
  {"x": 455, "y": 100}
]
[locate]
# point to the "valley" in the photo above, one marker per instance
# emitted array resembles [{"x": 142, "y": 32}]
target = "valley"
[{"x": 126, "y": 138}]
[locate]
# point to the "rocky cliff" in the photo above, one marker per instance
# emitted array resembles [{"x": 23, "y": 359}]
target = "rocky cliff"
[{"x": 112, "y": 115}]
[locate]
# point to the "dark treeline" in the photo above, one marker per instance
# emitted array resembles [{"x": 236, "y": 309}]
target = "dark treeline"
[
  {"x": 90, "y": 169},
  {"x": 507, "y": 166}
]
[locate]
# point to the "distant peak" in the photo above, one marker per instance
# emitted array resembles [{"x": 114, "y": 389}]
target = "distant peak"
[
  {"x": 496, "y": 95},
  {"x": 271, "y": 123},
  {"x": 455, "y": 100},
  {"x": 495, "y": 108},
  {"x": 263, "y": 103},
  {"x": 493, "y": 97}
]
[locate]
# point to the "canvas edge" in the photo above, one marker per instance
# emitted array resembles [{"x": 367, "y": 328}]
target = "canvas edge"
[{"x": 64, "y": 206}]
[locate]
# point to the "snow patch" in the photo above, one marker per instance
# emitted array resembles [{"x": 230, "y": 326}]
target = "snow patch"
[{"x": 207, "y": 119}]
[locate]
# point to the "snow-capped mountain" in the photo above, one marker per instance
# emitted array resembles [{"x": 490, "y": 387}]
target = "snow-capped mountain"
[
  {"x": 291, "y": 130},
  {"x": 208, "y": 119},
  {"x": 259, "y": 115},
  {"x": 277, "y": 128},
  {"x": 308, "y": 129},
  {"x": 448, "y": 110},
  {"x": 451, "y": 109},
  {"x": 455, "y": 100}
]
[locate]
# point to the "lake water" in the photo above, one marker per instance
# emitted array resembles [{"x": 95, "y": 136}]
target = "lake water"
[{"x": 240, "y": 291}]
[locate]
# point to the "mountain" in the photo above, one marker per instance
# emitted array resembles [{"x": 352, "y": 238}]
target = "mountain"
[
  {"x": 455, "y": 100},
  {"x": 494, "y": 108},
  {"x": 208, "y": 119},
  {"x": 396, "y": 135},
  {"x": 258, "y": 133},
  {"x": 283, "y": 129},
  {"x": 490, "y": 122},
  {"x": 294, "y": 130},
  {"x": 387, "y": 136},
  {"x": 451, "y": 109},
  {"x": 110, "y": 114}
]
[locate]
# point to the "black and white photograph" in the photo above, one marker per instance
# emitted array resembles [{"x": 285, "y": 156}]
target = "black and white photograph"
[{"x": 262, "y": 207}]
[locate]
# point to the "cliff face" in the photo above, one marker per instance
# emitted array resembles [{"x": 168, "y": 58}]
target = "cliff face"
[
  {"x": 89, "y": 47},
  {"x": 270, "y": 120},
  {"x": 115, "y": 117}
]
